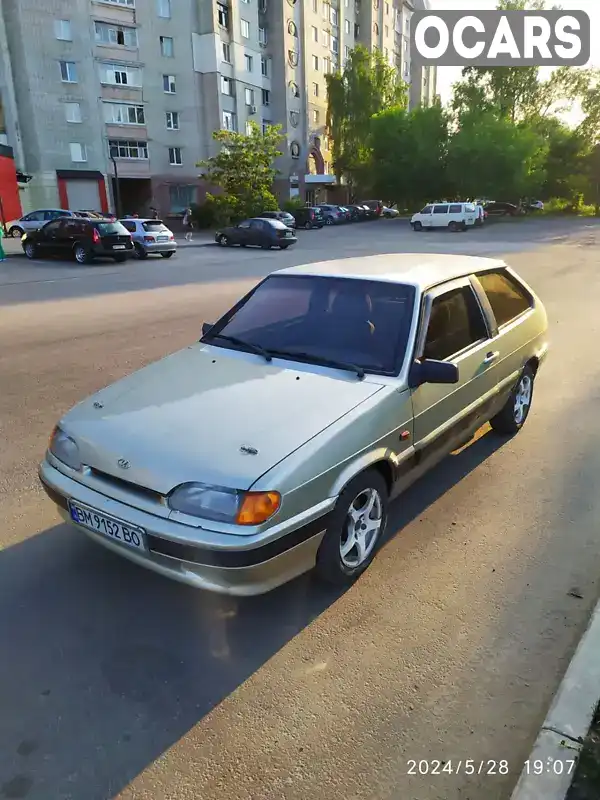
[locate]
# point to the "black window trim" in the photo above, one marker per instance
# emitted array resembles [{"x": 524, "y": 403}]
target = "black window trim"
[
  {"x": 440, "y": 289},
  {"x": 512, "y": 277}
]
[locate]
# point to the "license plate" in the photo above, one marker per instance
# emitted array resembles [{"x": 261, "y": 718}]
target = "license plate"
[
  {"x": 129, "y": 535},
  {"x": 118, "y": 247},
  {"x": 162, "y": 238},
  {"x": 288, "y": 234}
]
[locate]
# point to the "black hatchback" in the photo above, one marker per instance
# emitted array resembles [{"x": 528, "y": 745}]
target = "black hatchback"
[
  {"x": 84, "y": 239},
  {"x": 309, "y": 217}
]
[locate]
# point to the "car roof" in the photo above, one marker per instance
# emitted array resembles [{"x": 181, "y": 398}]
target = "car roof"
[
  {"x": 138, "y": 219},
  {"x": 421, "y": 270}
]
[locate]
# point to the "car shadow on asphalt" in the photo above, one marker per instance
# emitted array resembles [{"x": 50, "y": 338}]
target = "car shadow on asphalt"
[{"x": 106, "y": 665}]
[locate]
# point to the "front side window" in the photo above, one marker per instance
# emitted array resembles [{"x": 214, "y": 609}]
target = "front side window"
[
  {"x": 315, "y": 319},
  {"x": 507, "y": 298},
  {"x": 456, "y": 322},
  {"x": 427, "y": 210}
]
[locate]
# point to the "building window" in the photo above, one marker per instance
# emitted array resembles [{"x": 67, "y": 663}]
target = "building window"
[
  {"x": 325, "y": 144},
  {"x": 128, "y": 3},
  {"x": 125, "y": 148},
  {"x": 115, "y": 35},
  {"x": 249, "y": 61},
  {"x": 315, "y": 6},
  {"x": 325, "y": 37},
  {"x": 169, "y": 84},
  {"x": 181, "y": 197},
  {"x": 315, "y": 115},
  {"x": 325, "y": 10},
  {"x": 376, "y": 29},
  {"x": 315, "y": 62},
  {"x": 163, "y": 8},
  {"x": 333, "y": 16},
  {"x": 226, "y": 52},
  {"x": 223, "y": 15},
  {"x": 386, "y": 31},
  {"x": 228, "y": 121},
  {"x": 120, "y": 74},
  {"x": 315, "y": 34},
  {"x": 77, "y": 152},
  {"x": 73, "y": 112},
  {"x": 326, "y": 65},
  {"x": 265, "y": 125},
  {"x": 315, "y": 88},
  {"x": 68, "y": 71},
  {"x": 227, "y": 86},
  {"x": 262, "y": 36},
  {"x": 405, "y": 67},
  {"x": 167, "y": 48},
  {"x": 335, "y": 44},
  {"x": 347, "y": 26},
  {"x": 62, "y": 30},
  {"x": 266, "y": 97},
  {"x": 346, "y": 52},
  {"x": 248, "y": 128},
  {"x": 245, "y": 28},
  {"x": 124, "y": 114},
  {"x": 249, "y": 96},
  {"x": 172, "y": 120},
  {"x": 175, "y": 159},
  {"x": 264, "y": 66}
]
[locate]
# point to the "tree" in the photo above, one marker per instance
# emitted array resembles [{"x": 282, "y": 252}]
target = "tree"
[
  {"x": 409, "y": 154},
  {"x": 367, "y": 85},
  {"x": 244, "y": 169},
  {"x": 489, "y": 156},
  {"x": 566, "y": 163}
]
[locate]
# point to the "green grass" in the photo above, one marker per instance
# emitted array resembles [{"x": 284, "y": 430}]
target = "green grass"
[{"x": 586, "y": 783}]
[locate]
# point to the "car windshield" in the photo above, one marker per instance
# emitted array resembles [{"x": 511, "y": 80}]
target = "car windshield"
[
  {"x": 112, "y": 229},
  {"x": 351, "y": 321}
]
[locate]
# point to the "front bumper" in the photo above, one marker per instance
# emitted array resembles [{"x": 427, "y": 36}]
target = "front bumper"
[{"x": 218, "y": 562}]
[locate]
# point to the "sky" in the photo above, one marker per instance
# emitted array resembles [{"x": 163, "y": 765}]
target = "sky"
[{"x": 449, "y": 75}]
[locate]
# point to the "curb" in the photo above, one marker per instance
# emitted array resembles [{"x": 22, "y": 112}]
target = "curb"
[{"x": 568, "y": 721}]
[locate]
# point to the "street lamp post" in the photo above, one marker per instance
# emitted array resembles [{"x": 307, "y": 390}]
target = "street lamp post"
[{"x": 113, "y": 154}]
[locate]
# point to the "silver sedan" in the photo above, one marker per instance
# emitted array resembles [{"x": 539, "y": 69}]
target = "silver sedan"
[{"x": 150, "y": 236}]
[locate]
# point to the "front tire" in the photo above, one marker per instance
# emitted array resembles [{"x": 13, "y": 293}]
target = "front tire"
[
  {"x": 356, "y": 529},
  {"x": 417, "y": 226},
  {"x": 223, "y": 240},
  {"x": 30, "y": 250},
  {"x": 514, "y": 414}
]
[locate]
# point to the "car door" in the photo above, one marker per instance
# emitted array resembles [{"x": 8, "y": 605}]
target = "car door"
[
  {"x": 258, "y": 233},
  {"x": 47, "y": 238},
  {"x": 70, "y": 231},
  {"x": 456, "y": 329},
  {"x": 440, "y": 217}
]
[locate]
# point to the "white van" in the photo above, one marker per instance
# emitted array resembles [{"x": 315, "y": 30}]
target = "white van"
[{"x": 454, "y": 216}]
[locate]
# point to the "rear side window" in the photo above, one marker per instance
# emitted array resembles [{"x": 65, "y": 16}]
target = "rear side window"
[
  {"x": 507, "y": 298},
  {"x": 456, "y": 323},
  {"x": 129, "y": 225},
  {"x": 456, "y": 209},
  {"x": 440, "y": 209}
]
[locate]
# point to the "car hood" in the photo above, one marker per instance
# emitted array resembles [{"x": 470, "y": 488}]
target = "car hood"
[{"x": 189, "y": 416}]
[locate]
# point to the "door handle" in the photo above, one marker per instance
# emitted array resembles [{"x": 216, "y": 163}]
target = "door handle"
[{"x": 491, "y": 356}]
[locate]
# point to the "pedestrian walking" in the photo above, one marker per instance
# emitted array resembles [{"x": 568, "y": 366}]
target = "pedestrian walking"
[
  {"x": 188, "y": 224},
  {"x": 2, "y": 253},
  {"x": 153, "y": 212}
]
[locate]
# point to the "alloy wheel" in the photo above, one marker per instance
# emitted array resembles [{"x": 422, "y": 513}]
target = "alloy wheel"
[
  {"x": 522, "y": 399},
  {"x": 361, "y": 528}
]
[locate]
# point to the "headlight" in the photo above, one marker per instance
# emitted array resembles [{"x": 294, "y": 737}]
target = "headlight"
[
  {"x": 65, "y": 449},
  {"x": 224, "y": 505}
]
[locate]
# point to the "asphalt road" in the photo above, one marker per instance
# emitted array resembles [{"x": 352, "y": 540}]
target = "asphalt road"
[{"x": 115, "y": 682}]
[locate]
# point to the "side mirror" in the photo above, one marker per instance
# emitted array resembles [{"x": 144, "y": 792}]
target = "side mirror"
[
  {"x": 430, "y": 371},
  {"x": 206, "y": 326}
]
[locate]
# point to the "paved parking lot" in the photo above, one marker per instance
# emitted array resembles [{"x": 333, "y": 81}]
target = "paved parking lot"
[{"x": 115, "y": 682}]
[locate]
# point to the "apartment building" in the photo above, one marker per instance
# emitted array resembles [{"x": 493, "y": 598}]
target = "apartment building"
[{"x": 104, "y": 95}]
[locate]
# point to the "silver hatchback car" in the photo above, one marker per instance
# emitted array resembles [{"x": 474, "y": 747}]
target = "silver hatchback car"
[
  {"x": 150, "y": 236},
  {"x": 276, "y": 443}
]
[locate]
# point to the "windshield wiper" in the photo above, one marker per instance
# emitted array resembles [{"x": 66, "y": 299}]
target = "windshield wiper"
[
  {"x": 254, "y": 348},
  {"x": 321, "y": 360}
]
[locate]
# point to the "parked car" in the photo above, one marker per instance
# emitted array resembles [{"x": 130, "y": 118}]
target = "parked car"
[
  {"x": 495, "y": 208},
  {"x": 276, "y": 443},
  {"x": 357, "y": 213},
  {"x": 283, "y": 216},
  {"x": 453, "y": 216},
  {"x": 265, "y": 233},
  {"x": 333, "y": 215},
  {"x": 347, "y": 213},
  {"x": 376, "y": 206},
  {"x": 309, "y": 217},
  {"x": 37, "y": 219},
  {"x": 150, "y": 237},
  {"x": 84, "y": 239},
  {"x": 390, "y": 213},
  {"x": 481, "y": 215},
  {"x": 533, "y": 205}
]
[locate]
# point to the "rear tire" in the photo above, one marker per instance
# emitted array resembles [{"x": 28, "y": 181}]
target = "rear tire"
[
  {"x": 82, "y": 254},
  {"x": 454, "y": 227},
  {"x": 514, "y": 414},
  {"x": 168, "y": 255},
  {"x": 348, "y": 548},
  {"x": 307, "y": 226},
  {"x": 265, "y": 246},
  {"x": 16, "y": 232},
  {"x": 329, "y": 221},
  {"x": 139, "y": 251},
  {"x": 120, "y": 259}
]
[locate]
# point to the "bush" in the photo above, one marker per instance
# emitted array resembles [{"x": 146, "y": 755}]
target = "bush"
[
  {"x": 293, "y": 204},
  {"x": 228, "y": 209},
  {"x": 204, "y": 215},
  {"x": 575, "y": 207}
]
